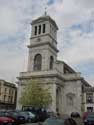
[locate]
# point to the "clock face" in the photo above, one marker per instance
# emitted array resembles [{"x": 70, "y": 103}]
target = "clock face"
[{"x": 39, "y": 39}]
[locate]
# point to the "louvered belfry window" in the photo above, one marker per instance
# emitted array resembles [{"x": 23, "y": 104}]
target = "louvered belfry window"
[{"x": 51, "y": 62}]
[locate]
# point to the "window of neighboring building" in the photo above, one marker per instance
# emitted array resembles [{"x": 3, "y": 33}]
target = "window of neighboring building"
[
  {"x": 8, "y": 98},
  {"x": 89, "y": 109},
  {"x": 51, "y": 62},
  {"x": 9, "y": 91},
  {"x": 89, "y": 97},
  {"x": 12, "y": 92},
  {"x": 37, "y": 62},
  {"x": 35, "y": 30},
  {"x": 4, "y": 98},
  {"x": 11, "y": 99},
  {"x": 39, "y": 29},
  {"x": 5, "y": 90},
  {"x": 0, "y": 90},
  {"x": 44, "y": 27}
]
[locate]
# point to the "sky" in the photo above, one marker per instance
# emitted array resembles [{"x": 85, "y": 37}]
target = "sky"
[{"x": 75, "y": 19}]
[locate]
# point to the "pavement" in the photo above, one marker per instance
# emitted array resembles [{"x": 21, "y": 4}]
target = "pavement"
[{"x": 31, "y": 124}]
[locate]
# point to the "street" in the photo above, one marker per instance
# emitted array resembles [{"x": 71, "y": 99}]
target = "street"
[{"x": 31, "y": 124}]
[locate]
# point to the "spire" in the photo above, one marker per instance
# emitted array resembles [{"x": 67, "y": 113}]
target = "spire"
[
  {"x": 45, "y": 13},
  {"x": 45, "y": 8}
]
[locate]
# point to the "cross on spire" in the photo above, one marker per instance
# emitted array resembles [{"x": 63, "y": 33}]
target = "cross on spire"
[
  {"x": 45, "y": 13},
  {"x": 45, "y": 7}
]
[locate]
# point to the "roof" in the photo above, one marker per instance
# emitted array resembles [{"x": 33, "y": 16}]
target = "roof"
[
  {"x": 45, "y": 18},
  {"x": 66, "y": 66},
  {"x": 85, "y": 82},
  {"x": 88, "y": 89},
  {"x": 7, "y": 83}
]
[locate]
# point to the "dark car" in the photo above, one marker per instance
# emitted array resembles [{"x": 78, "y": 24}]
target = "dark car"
[
  {"x": 40, "y": 113},
  {"x": 89, "y": 120},
  {"x": 57, "y": 121}
]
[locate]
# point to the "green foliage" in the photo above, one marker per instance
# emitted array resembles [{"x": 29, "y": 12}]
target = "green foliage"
[{"x": 35, "y": 95}]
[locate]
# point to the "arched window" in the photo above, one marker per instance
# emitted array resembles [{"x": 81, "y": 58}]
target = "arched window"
[
  {"x": 51, "y": 62},
  {"x": 37, "y": 62}
]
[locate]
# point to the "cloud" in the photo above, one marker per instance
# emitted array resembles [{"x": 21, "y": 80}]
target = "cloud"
[
  {"x": 80, "y": 48},
  {"x": 14, "y": 33},
  {"x": 88, "y": 4},
  {"x": 7, "y": 21}
]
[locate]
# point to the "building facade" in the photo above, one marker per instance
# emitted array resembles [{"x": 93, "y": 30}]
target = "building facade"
[
  {"x": 88, "y": 99},
  {"x": 8, "y": 94},
  {"x": 66, "y": 85}
]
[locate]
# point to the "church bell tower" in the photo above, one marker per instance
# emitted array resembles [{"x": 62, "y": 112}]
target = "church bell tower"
[{"x": 43, "y": 44}]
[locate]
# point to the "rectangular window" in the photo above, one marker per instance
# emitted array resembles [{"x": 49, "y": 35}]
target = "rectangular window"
[
  {"x": 89, "y": 97},
  {"x": 5, "y": 90},
  {"x": 0, "y": 90},
  {"x": 4, "y": 98},
  {"x": 35, "y": 30},
  {"x": 44, "y": 28},
  {"x": 39, "y": 29},
  {"x": 89, "y": 109},
  {"x": 10, "y": 99}
]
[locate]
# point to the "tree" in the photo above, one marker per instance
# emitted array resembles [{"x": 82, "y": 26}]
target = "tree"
[{"x": 34, "y": 95}]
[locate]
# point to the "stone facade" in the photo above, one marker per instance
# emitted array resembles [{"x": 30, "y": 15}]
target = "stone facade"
[
  {"x": 66, "y": 85},
  {"x": 8, "y": 95}
]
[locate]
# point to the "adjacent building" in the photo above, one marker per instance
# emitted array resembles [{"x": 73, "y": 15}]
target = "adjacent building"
[
  {"x": 8, "y": 94},
  {"x": 88, "y": 100},
  {"x": 66, "y": 85}
]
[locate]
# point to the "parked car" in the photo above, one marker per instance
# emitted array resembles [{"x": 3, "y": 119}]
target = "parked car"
[
  {"x": 6, "y": 121},
  {"x": 31, "y": 117},
  {"x": 76, "y": 116},
  {"x": 40, "y": 113},
  {"x": 18, "y": 119},
  {"x": 57, "y": 121},
  {"x": 89, "y": 120}
]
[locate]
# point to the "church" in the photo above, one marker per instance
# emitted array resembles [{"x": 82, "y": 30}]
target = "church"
[{"x": 66, "y": 85}]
